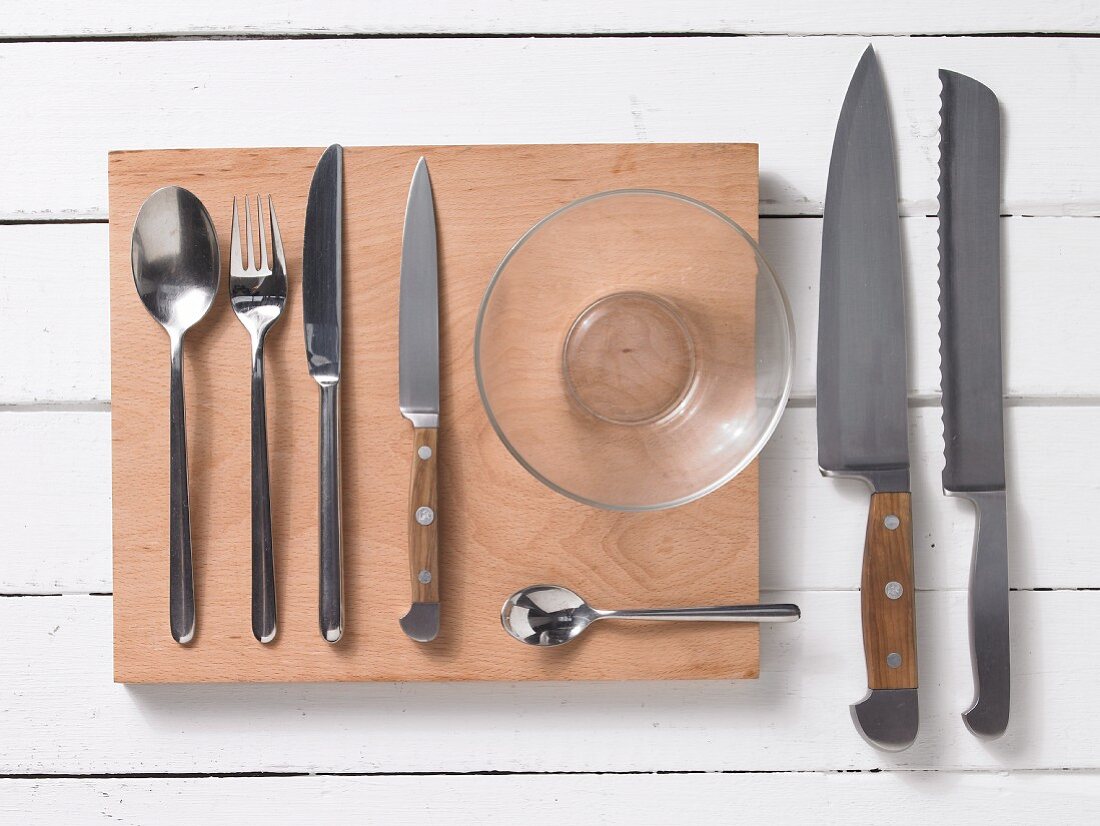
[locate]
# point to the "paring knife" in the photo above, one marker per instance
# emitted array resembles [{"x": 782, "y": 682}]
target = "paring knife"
[
  {"x": 970, "y": 373},
  {"x": 322, "y": 269},
  {"x": 419, "y": 399},
  {"x": 862, "y": 424}
]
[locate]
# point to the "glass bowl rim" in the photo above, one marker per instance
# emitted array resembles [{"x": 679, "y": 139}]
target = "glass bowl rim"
[{"x": 765, "y": 434}]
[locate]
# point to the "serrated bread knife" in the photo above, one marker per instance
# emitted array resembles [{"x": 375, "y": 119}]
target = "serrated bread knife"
[
  {"x": 322, "y": 272},
  {"x": 862, "y": 422},
  {"x": 970, "y": 374},
  {"x": 418, "y": 334}
]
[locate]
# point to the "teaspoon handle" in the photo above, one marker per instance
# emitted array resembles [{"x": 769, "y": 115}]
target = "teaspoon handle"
[
  {"x": 715, "y": 613},
  {"x": 331, "y": 603},
  {"x": 263, "y": 558},
  {"x": 181, "y": 583}
]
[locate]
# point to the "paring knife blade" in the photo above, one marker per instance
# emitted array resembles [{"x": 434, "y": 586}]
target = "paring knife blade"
[
  {"x": 322, "y": 273},
  {"x": 419, "y": 399},
  {"x": 970, "y": 374},
  {"x": 862, "y": 416}
]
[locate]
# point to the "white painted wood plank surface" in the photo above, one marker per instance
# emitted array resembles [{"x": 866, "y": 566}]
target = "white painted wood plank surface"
[
  {"x": 56, "y": 289},
  {"x": 76, "y": 101},
  {"x": 784, "y": 799},
  {"x": 55, "y": 536},
  {"x": 73, "y": 18},
  {"x": 63, "y": 714}
]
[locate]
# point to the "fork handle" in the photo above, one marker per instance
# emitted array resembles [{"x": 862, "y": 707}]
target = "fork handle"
[
  {"x": 331, "y": 602},
  {"x": 181, "y": 581},
  {"x": 263, "y": 558}
]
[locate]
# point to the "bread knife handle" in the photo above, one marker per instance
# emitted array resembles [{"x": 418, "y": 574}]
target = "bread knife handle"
[{"x": 989, "y": 627}]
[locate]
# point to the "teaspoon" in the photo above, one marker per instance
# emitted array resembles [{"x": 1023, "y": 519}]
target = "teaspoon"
[
  {"x": 174, "y": 256},
  {"x": 549, "y": 615}
]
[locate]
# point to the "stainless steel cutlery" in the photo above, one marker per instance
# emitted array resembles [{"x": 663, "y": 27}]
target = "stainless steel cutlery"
[
  {"x": 322, "y": 275},
  {"x": 174, "y": 257},
  {"x": 862, "y": 421},
  {"x": 419, "y": 400},
  {"x": 549, "y": 615},
  {"x": 970, "y": 367},
  {"x": 257, "y": 293}
]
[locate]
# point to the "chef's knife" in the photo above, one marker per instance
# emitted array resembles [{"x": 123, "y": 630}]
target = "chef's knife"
[
  {"x": 970, "y": 373},
  {"x": 419, "y": 399},
  {"x": 322, "y": 265},
  {"x": 862, "y": 426}
]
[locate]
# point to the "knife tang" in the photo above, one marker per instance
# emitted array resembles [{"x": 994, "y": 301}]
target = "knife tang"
[
  {"x": 886, "y": 594},
  {"x": 423, "y": 509}
]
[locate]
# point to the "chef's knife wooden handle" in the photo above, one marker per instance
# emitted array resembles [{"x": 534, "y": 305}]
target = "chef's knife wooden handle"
[
  {"x": 424, "y": 516},
  {"x": 887, "y": 594}
]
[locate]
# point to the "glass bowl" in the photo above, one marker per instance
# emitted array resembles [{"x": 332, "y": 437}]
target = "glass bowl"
[{"x": 633, "y": 350}]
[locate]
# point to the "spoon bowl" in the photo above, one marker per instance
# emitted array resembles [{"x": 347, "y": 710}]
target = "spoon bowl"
[
  {"x": 174, "y": 257},
  {"x": 549, "y": 615}
]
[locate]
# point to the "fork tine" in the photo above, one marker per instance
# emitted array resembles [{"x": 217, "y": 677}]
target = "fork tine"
[
  {"x": 248, "y": 234},
  {"x": 263, "y": 235},
  {"x": 235, "y": 244},
  {"x": 276, "y": 239}
]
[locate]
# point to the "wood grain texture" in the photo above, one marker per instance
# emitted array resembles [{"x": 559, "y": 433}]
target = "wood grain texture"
[
  {"x": 889, "y": 624},
  {"x": 424, "y": 538},
  {"x": 106, "y": 18},
  {"x": 502, "y": 529},
  {"x": 779, "y": 799},
  {"x": 382, "y": 91}
]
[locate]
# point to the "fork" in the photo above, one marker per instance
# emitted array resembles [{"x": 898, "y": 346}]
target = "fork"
[{"x": 258, "y": 295}]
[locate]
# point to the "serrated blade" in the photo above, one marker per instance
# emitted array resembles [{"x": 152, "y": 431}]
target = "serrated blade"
[
  {"x": 862, "y": 425},
  {"x": 322, "y": 266},
  {"x": 418, "y": 325},
  {"x": 970, "y": 286}
]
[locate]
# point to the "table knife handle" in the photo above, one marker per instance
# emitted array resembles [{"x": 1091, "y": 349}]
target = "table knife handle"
[
  {"x": 181, "y": 580},
  {"x": 887, "y": 594},
  {"x": 989, "y": 628},
  {"x": 424, "y": 516},
  {"x": 331, "y": 592}
]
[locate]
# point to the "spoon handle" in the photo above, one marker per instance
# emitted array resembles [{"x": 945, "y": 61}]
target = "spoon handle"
[
  {"x": 715, "y": 613},
  {"x": 263, "y": 557},
  {"x": 331, "y": 601},
  {"x": 181, "y": 583}
]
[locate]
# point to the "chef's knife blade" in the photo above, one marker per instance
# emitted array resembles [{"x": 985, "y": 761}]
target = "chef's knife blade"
[
  {"x": 862, "y": 423},
  {"x": 419, "y": 399},
  {"x": 970, "y": 373},
  {"x": 322, "y": 272}
]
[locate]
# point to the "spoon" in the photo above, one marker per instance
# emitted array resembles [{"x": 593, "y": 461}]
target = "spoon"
[
  {"x": 548, "y": 615},
  {"x": 174, "y": 256}
]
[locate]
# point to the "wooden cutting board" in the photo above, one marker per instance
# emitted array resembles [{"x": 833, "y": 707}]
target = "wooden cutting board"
[{"x": 501, "y": 529}]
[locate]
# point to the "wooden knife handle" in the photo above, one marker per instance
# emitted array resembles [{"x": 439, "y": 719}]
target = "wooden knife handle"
[
  {"x": 887, "y": 594},
  {"x": 424, "y": 516}
]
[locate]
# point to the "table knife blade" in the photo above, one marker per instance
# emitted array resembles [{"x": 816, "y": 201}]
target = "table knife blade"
[
  {"x": 970, "y": 374},
  {"x": 862, "y": 413},
  {"x": 418, "y": 321},
  {"x": 322, "y": 274}
]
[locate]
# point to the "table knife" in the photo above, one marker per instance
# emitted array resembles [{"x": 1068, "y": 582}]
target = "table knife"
[
  {"x": 970, "y": 374},
  {"x": 419, "y": 399},
  {"x": 862, "y": 422},
  {"x": 322, "y": 266}
]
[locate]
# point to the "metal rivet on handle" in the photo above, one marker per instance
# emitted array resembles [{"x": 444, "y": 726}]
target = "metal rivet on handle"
[
  {"x": 424, "y": 577},
  {"x": 424, "y": 452},
  {"x": 891, "y": 522},
  {"x": 425, "y": 515},
  {"x": 893, "y": 659},
  {"x": 894, "y": 589}
]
